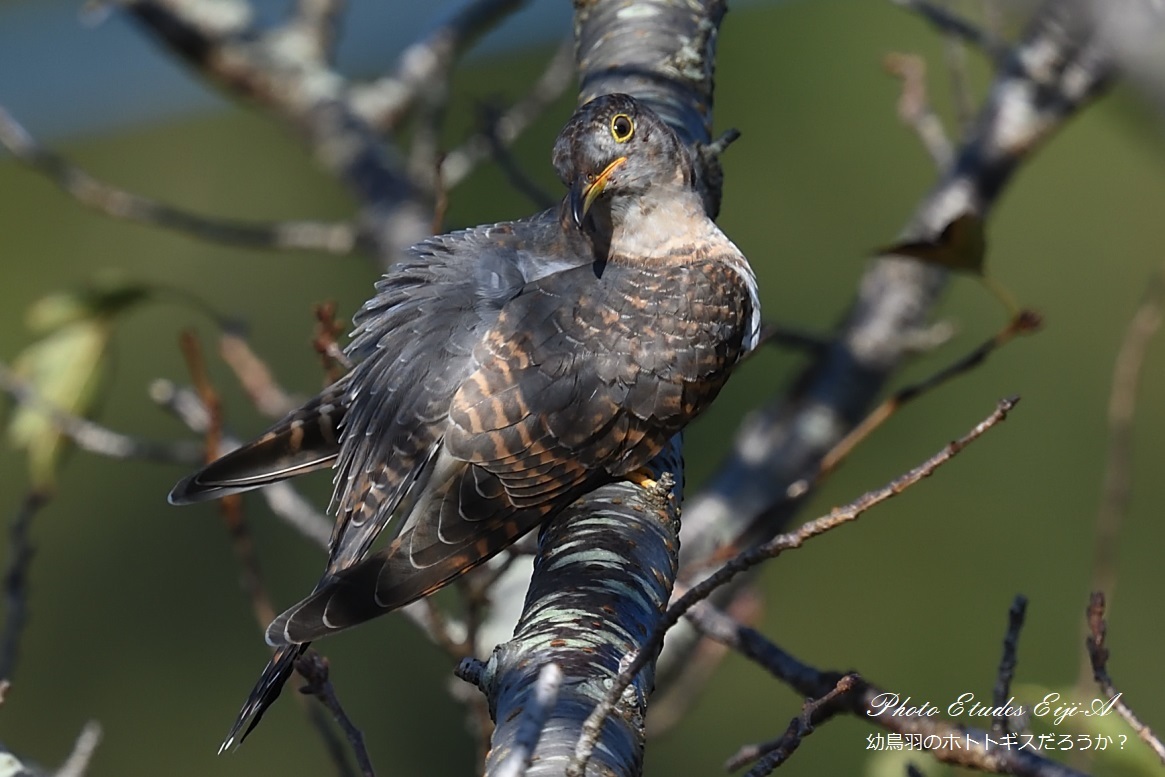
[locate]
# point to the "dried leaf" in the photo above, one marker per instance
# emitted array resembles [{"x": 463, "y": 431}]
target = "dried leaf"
[{"x": 962, "y": 246}]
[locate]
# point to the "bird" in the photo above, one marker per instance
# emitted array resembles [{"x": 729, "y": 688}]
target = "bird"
[{"x": 503, "y": 371}]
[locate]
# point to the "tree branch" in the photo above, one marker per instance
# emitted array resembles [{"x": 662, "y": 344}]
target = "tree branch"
[
  {"x": 1057, "y": 67},
  {"x": 121, "y": 204},
  {"x": 957, "y": 744},
  {"x": 274, "y": 70}
]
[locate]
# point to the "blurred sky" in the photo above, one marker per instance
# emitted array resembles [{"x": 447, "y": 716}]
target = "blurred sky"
[{"x": 137, "y": 619}]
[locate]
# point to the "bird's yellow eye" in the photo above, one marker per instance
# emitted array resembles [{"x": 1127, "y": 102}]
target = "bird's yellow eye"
[{"x": 622, "y": 128}]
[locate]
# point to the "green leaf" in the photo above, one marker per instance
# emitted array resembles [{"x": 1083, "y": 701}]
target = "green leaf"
[{"x": 66, "y": 370}]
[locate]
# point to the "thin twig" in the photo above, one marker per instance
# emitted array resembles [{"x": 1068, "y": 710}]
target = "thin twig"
[
  {"x": 1122, "y": 404},
  {"x": 871, "y": 704},
  {"x": 914, "y": 109},
  {"x": 1098, "y": 655},
  {"x": 515, "y": 175},
  {"x": 20, "y": 555},
  {"x": 534, "y": 718},
  {"x": 511, "y": 123},
  {"x": 951, "y": 24},
  {"x": 231, "y": 506},
  {"x": 787, "y": 337},
  {"x": 93, "y": 437},
  {"x": 342, "y": 238},
  {"x": 754, "y": 556},
  {"x": 255, "y": 376},
  {"x": 328, "y": 329},
  {"x": 78, "y": 761},
  {"x": 1007, "y": 663},
  {"x": 799, "y": 728},
  {"x": 313, "y": 668},
  {"x": 1026, "y": 322}
]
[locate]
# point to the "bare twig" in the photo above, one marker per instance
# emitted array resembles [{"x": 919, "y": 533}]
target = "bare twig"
[
  {"x": 954, "y": 25},
  {"x": 754, "y": 556},
  {"x": 1026, "y": 322},
  {"x": 328, "y": 329},
  {"x": 255, "y": 376},
  {"x": 78, "y": 761},
  {"x": 800, "y": 727},
  {"x": 341, "y": 238},
  {"x": 872, "y": 704},
  {"x": 511, "y": 123},
  {"x": 534, "y": 718},
  {"x": 914, "y": 109},
  {"x": 270, "y": 69},
  {"x": 1098, "y": 655},
  {"x": 1007, "y": 662},
  {"x": 20, "y": 555},
  {"x": 93, "y": 437},
  {"x": 313, "y": 668},
  {"x": 500, "y": 153},
  {"x": 231, "y": 506},
  {"x": 1122, "y": 404},
  {"x": 786, "y": 337}
]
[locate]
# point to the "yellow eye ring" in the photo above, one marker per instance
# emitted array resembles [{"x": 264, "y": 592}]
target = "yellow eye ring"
[{"x": 622, "y": 128}]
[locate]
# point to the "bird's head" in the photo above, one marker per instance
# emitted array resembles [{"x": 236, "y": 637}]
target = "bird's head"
[{"x": 615, "y": 148}]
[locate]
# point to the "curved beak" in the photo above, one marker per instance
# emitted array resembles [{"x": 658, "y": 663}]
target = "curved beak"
[{"x": 583, "y": 193}]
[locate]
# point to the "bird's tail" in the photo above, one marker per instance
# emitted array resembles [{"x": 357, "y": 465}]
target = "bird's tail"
[{"x": 264, "y": 694}]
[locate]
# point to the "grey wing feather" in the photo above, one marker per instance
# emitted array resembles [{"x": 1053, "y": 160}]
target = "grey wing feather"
[{"x": 414, "y": 345}]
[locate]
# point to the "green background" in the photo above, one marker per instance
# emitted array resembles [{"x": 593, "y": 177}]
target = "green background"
[{"x": 137, "y": 617}]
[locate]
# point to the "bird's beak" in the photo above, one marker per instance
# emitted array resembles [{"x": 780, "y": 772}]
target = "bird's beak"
[{"x": 584, "y": 193}]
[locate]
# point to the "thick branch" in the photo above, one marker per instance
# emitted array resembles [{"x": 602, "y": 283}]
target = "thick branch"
[{"x": 601, "y": 578}]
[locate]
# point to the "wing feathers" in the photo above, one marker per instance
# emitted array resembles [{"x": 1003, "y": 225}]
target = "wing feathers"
[{"x": 304, "y": 441}]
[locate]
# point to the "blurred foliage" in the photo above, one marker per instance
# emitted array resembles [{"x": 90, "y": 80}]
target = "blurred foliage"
[
  {"x": 137, "y": 618},
  {"x": 65, "y": 367}
]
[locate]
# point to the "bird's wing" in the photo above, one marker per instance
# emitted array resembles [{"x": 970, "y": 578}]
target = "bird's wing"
[
  {"x": 414, "y": 346},
  {"x": 306, "y": 440},
  {"x": 577, "y": 382}
]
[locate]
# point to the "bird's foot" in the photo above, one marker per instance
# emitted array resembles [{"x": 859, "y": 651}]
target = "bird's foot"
[{"x": 643, "y": 478}]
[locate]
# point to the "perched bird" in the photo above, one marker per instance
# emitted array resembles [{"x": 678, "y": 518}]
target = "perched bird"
[{"x": 503, "y": 371}]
